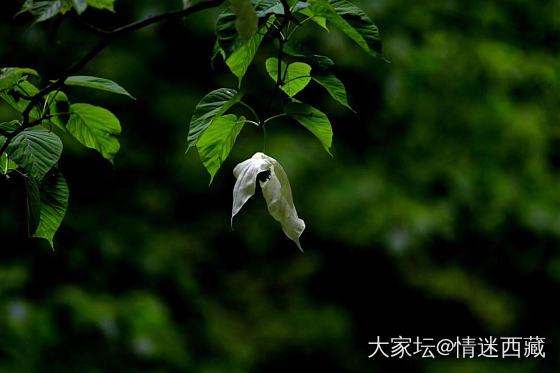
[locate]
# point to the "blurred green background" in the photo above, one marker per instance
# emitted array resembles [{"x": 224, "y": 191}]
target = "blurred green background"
[{"x": 439, "y": 215}]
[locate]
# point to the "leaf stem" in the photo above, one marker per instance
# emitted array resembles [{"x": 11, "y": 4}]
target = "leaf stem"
[
  {"x": 274, "y": 117},
  {"x": 252, "y": 122},
  {"x": 251, "y": 110}
]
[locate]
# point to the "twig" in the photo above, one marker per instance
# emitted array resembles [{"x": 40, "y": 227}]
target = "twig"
[{"x": 107, "y": 38}]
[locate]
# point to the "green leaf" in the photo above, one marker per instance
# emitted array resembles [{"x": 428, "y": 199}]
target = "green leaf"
[
  {"x": 314, "y": 120},
  {"x": 295, "y": 78},
  {"x": 96, "y": 128},
  {"x": 33, "y": 189},
  {"x": 320, "y": 21},
  {"x": 352, "y": 21},
  {"x": 227, "y": 37},
  {"x": 43, "y": 10},
  {"x": 240, "y": 60},
  {"x": 6, "y": 164},
  {"x": 8, "y": 127},
  {"x": 102, "y": 4},
  {"x": 294, "y": 49},
  {"x": 215, "y": 144},
  {"x": 9, "y": 76},
  {"x": 334, "y": 86},
  {"x": 247, "y": 22},
  {"x": 97, "y": 83},
  {"x": 360, "y": 22},
  {"x": 79, "y": 5},
  {"x": 36, "y": 150},
  {"x": 59, "y": 107},
  {"x": 53, "y": 204},
  {"x": 211, "y": 107},
  {"x": 12, "y": 98},
  {"x": 275, "y": 7}
]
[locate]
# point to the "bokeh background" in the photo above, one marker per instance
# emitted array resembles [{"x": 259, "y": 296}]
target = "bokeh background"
[{"x": 439, "y": 215}]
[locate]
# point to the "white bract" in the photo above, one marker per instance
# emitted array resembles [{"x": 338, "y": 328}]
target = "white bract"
[{"x": 276, "y": 191}]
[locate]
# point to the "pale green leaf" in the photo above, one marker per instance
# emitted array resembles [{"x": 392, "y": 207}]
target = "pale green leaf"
[
  {"x": 334, "y": 86},
  {"x": 295, "y": 77},
  {"x": 36, "y": 150},
  {"x": 247, "y": 22},
  {"x": 314, "y": 120},
  {"x": 79, "y": 5},
  {"x": 97, "y": 83},
  {"x": 96, "y": 128},
  {"x": 211, "y": 107},
  {"x": 217, "y": 141},
  {"x": 102, "y": 4},
  {"x": 43, "y": 10}
]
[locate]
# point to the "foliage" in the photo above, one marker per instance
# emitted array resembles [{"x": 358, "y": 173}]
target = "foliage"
[
  {"x": 438, "y": 216},
  {"x": 30, "y": 144}
]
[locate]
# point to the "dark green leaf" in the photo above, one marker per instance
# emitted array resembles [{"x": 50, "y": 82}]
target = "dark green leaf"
[
  {"x": 59, "y": 107},
  {"x": 36, "y": 150},
  {"x": 276, "y": 7},
  {"x": 294, "y": 49},
  {"x": 215, "y": 144},
  {"x": 314, "y": 120},
  {"x": 13, "y": 98},
  {"x": 333, "y": 85},
  {"x": 54, "y": 202},
  {"x": 360, "y": 22},
  {"x": 9, "y": 76},
  {"x": 211, "y": 107},
  {"x": 350, "y": 20},
  {"x": 96, "y": 128},
  {"x": 33, "y": 189},
  {"x": 296, "y": 77},
  {"x": 97, "y": 83}
]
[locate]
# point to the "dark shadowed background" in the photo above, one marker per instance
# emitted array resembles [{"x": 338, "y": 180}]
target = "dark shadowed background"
[{"x": 439, "y": 215}]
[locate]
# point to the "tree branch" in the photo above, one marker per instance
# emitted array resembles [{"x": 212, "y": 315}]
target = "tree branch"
[{"x": 107, "y": 38}]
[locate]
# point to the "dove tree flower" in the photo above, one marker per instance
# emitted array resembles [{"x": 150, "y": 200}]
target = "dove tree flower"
[
  {"x": 275, "y": 188},
  {"x": 29, "y": 148}
]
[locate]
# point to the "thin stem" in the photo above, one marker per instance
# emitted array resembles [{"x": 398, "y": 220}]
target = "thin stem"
[
  {"x": 252, "y": 122},
  {"x": 264, "y": 138},
  {"x": 251, "y": 110},
  {"x": 279, "y": 80},
  {"x": 107, "y": 38},
  {"x": 298, "y": 25},
  {"x": 274, "y": 117}
]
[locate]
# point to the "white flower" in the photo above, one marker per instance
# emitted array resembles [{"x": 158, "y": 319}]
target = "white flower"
[{"x": 276, "y": 191}]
